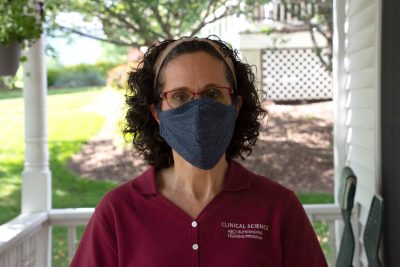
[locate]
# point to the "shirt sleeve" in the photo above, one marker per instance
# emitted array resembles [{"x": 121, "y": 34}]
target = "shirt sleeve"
[
  {"x": 300, "y": 246},
  {"x": 98, "y": 244}
]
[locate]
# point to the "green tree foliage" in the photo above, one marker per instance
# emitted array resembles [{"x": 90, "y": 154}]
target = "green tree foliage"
[
  {"x": 19, "y": 21},
  {"x": 113, "y": 53},
  {"x": 142, "y": 22}
]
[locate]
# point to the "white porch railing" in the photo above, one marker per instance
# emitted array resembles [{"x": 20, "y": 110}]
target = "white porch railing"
[
  {"x": 19, "y": 237},
  {"x": 330, "y": 214},
  {"x": 71, "y": 218},
  {"x": 19, "y": 240}
]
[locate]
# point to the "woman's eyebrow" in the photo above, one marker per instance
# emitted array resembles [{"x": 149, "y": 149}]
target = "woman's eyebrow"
[
  {"x": 179, "y": 88},
  {"x": 209, "y": 85}
]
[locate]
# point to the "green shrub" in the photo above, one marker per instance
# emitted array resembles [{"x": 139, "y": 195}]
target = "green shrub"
[
  {"x": 103, "y": 67},
  {"x": 79, "y": 79},
  {"x": 82, "y": 75}
]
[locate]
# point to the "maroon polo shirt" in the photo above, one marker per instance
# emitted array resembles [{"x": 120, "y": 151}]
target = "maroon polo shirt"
[{"x": 252, "y": 222}]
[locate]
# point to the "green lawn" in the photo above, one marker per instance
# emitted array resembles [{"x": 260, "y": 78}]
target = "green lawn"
[
  {"x": 315, "y": 198},
  {"x": 69, "y": 128}
]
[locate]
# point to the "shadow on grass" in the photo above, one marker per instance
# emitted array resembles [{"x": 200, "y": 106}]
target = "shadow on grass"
[
  {"x": 10, "y": 205},
  {"x": 69, "y": 190},
  {"x": 10, "y": 191}
]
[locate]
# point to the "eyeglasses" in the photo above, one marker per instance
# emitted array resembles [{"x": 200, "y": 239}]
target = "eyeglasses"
[{"x": 177, "y": 98}]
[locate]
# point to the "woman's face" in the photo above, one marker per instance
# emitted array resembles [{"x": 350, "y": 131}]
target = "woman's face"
[{"x": 194, "y": 72}]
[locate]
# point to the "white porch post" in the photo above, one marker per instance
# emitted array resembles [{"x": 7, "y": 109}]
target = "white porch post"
[
  {"x": 36, "y": 177},
  {"x": 339, "y": 92}
]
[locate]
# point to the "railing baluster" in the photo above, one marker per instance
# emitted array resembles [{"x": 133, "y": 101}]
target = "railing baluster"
[
  {"x": 332, "y": 241},
  {"x": 71, "y": 241}
]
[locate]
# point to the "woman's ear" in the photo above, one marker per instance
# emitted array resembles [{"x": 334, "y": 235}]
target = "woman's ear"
[
  {"x": 154, "y": 112},
  {"x": 239, "y": 103}
]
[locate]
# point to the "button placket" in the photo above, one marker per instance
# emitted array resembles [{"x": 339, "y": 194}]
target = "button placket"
[{"x": 195, "y": 243}]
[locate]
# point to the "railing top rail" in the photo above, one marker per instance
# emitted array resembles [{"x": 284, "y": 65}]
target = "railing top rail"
[
  {"x": 327, "y": 212},
  {"x": 322, "y": 208},
  {"x": 75, "y": 216}
]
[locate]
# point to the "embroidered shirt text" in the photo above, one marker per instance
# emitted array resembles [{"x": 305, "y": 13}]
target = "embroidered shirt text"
[{"x": 244, "y": 231}]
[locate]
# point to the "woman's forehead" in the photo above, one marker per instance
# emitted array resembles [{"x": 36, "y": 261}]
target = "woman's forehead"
[
  {"x": 194, "y": 68},
  {"x": 198, "y": 57}
]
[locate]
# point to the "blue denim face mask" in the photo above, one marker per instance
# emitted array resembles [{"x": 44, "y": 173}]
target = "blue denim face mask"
[{"x": 200, "y": 131}]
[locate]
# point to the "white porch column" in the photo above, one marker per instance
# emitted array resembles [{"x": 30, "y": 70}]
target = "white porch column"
[
  {"x": 339, "y": 92},
  {"x": 36, "y": 186},
  {"x": 36, "y": 177}
]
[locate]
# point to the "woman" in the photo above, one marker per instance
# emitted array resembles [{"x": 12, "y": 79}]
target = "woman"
[{"x": 193, "y": 107}]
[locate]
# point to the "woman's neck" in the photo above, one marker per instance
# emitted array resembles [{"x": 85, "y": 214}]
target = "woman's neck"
[{"x": 184, "y": 178}]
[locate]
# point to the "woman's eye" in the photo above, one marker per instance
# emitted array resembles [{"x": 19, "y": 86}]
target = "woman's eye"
[
  {"x": 212, "y": 93},
  {"x": 181, "y": 96}
]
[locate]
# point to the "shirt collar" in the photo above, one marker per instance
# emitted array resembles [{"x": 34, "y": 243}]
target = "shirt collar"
[
  {"x": 146, "y": 182},
  {"x": 237, "y": 178}
]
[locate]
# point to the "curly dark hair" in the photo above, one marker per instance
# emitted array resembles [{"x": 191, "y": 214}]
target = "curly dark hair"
[{"x": 143, "y": 129}]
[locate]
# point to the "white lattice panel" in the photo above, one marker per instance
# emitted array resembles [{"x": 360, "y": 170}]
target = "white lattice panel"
[{"x": 294, "y": 74}]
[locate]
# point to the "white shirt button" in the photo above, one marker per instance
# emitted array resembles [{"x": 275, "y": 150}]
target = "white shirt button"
[
  {"x": 195, "y": 247},
  {"x": 194, "y": 224}
]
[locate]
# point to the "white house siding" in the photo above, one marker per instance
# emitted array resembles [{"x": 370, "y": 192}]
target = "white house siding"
[
  {"x": 227, "y": 28},
  {"x": 362, "y": 87}
]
